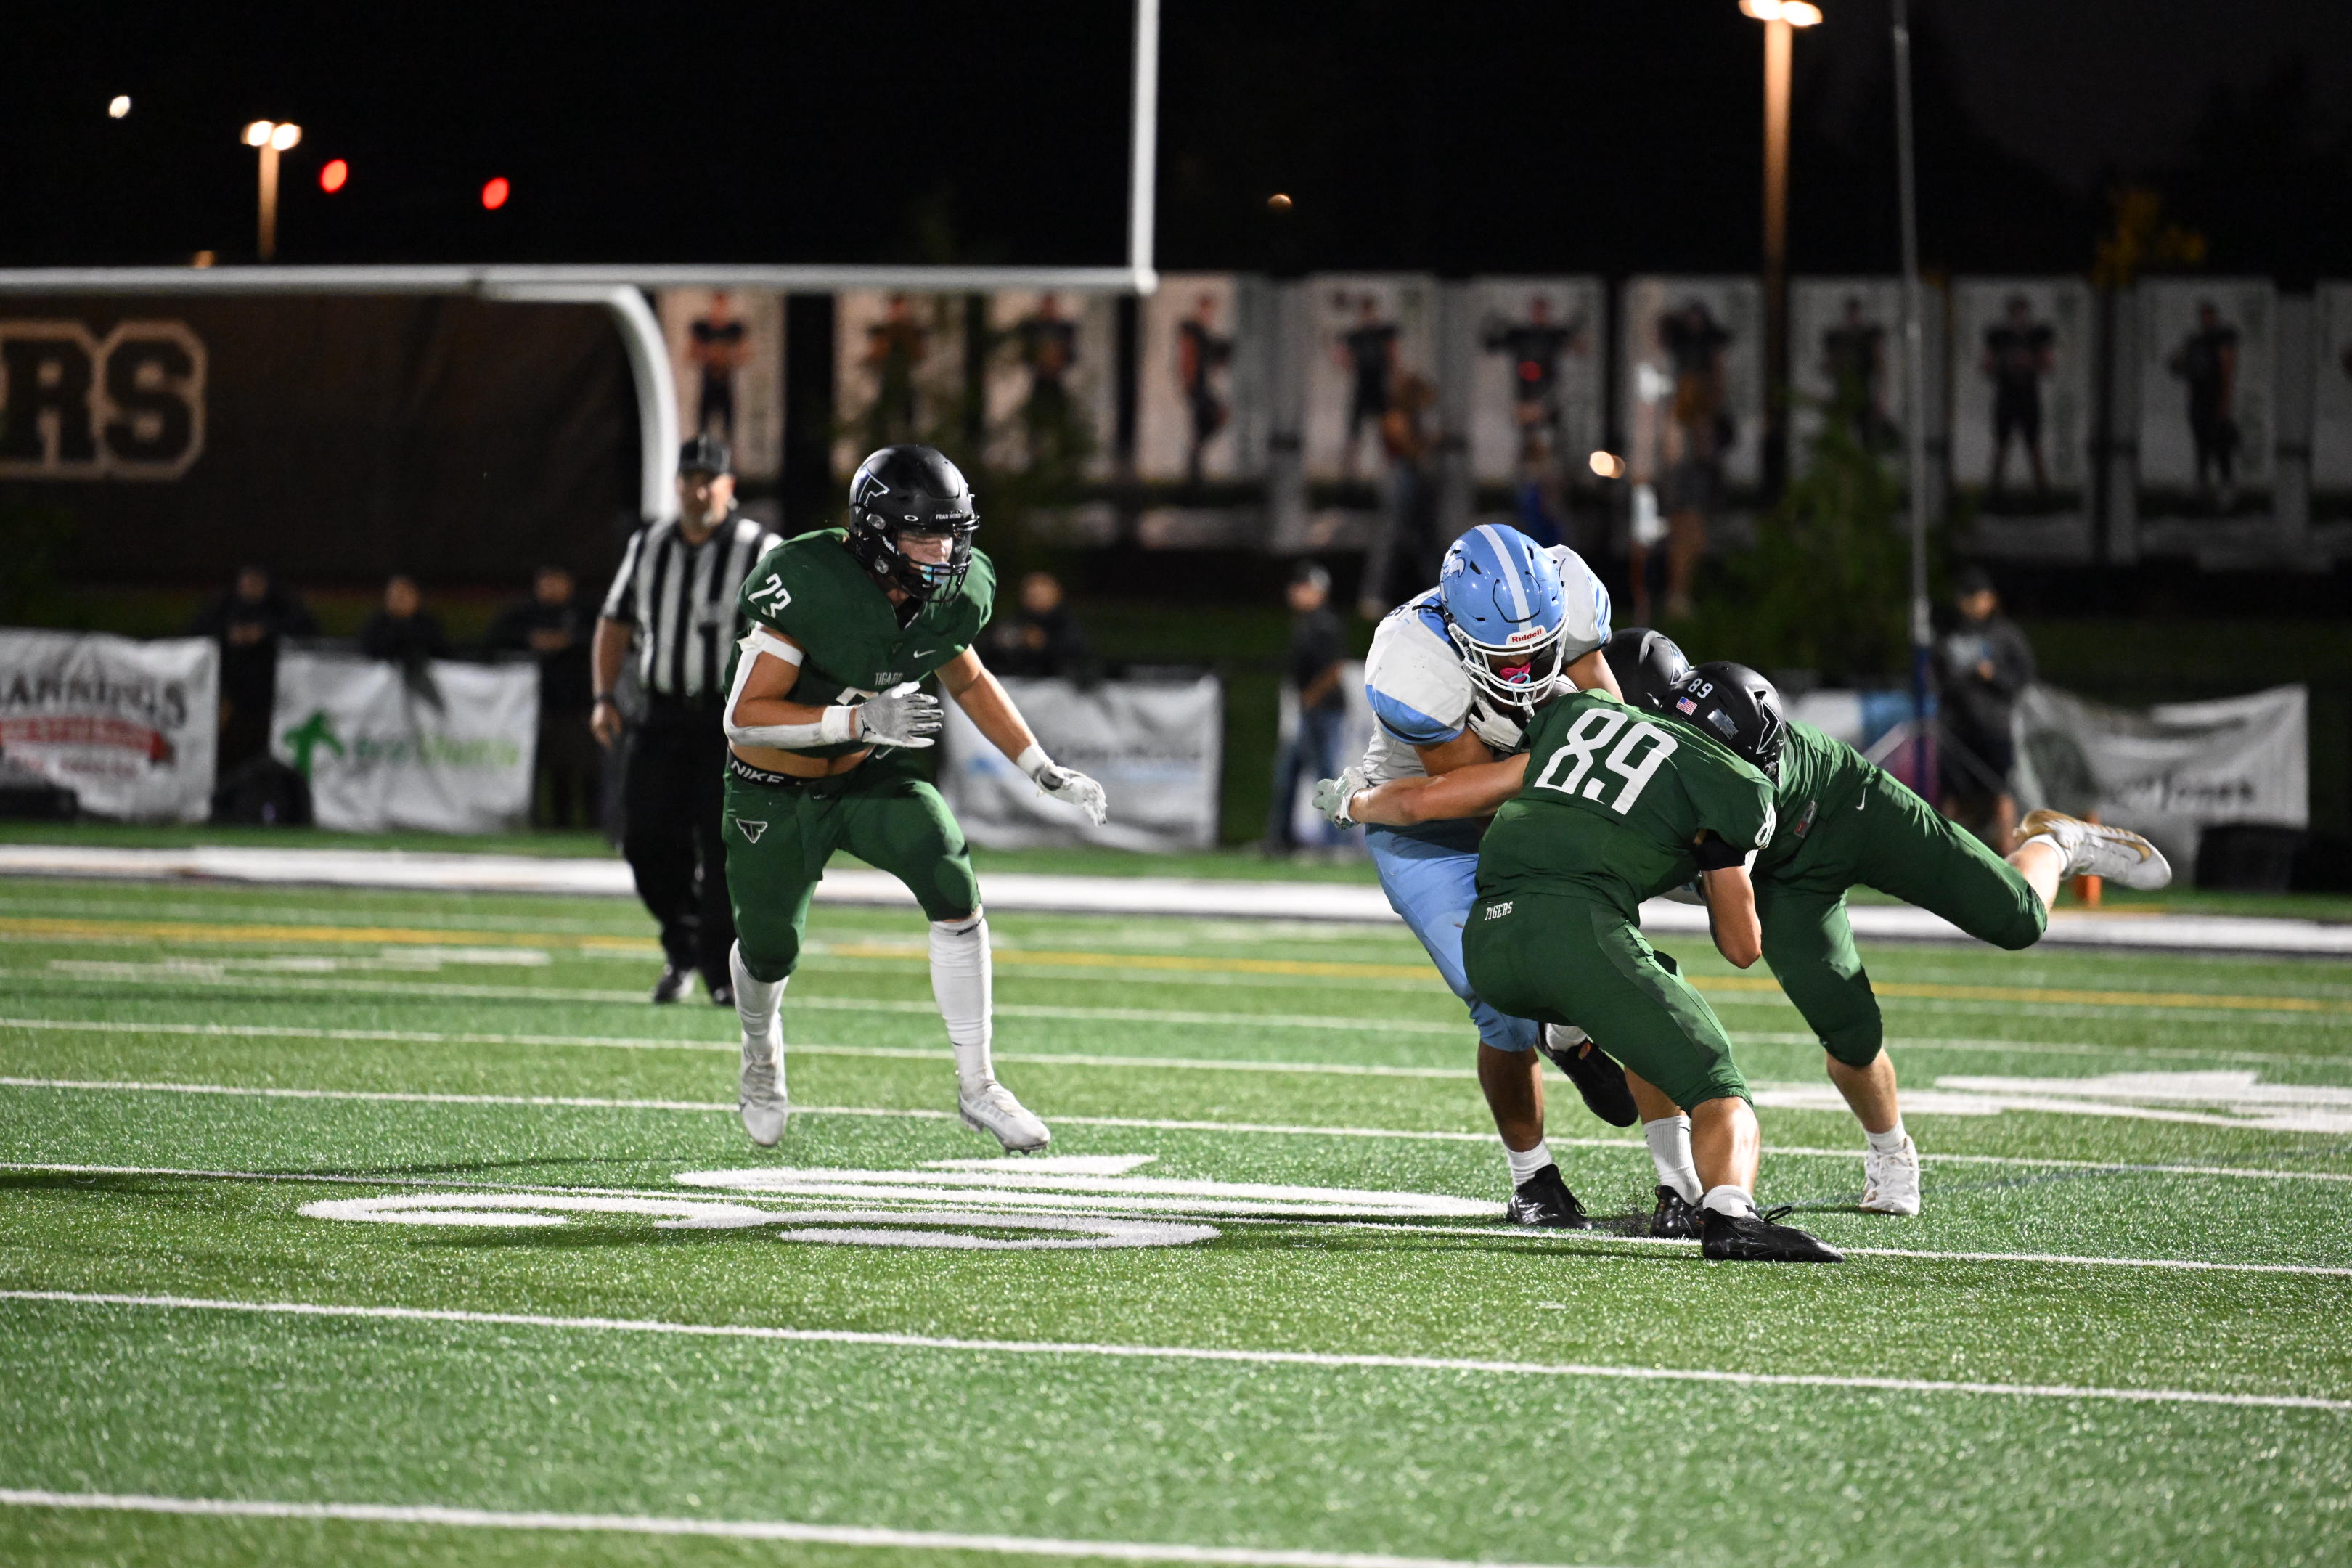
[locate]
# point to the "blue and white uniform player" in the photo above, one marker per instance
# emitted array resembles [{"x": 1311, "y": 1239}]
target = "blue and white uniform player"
[{"x": 1453, "y": 677}]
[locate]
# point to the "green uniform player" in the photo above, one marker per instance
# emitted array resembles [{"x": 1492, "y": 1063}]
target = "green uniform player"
[
  {"x": 822, "y": 715},
  {"x": 1607, "y": 807},
  {"x": 1843, "y": 822}
]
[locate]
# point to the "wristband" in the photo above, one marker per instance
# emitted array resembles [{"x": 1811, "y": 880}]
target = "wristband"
[
  {"x": 838, "y": 727},
  {"x": 604, "y": 699},
  {"x": 1035, "y": 762}
]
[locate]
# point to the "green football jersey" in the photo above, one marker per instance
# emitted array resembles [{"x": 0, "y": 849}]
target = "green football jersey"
[
  {"x": 1819, "y": 775},
  {"x": 1613, "y": 801},
  {"x": 811, "y": 589}
]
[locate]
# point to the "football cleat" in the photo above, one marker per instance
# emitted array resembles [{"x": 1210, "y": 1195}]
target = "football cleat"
[
  {"x": 1544, "y": 1200},
  {"x": 675, "y": 978},
  {"x": 1595, "y": 1073},
  {"x": 723, "y": 994},
  {"x": 1752, "y": 1239},
  {"x": 1890, "y": 1182},
  {"x": 2092, "y": 849},
  {"x": 1675, "y": 1217},
  {"x": 994, "y": 1110},
  {"x": 760, "y": 1098}
]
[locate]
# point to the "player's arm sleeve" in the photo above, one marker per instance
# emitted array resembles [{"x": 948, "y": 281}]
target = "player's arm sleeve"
[
  {"x": 1587, "y": 623},
  {"x": 1416, "y": 702},
  {"x": 621, "y": 598}
]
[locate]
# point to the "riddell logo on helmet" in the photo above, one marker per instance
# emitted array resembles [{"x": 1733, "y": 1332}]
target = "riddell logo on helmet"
[{"x": 1531, "y": 634}]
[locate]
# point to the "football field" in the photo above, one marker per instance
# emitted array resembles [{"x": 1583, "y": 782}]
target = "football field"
[{"x": 398, "y": 1228}]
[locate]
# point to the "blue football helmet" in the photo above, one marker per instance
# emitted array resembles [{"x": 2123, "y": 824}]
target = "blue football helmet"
[{"x": 1505, "y": 612}]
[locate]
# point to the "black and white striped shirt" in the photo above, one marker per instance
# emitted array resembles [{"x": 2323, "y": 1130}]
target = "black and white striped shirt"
[{"x": 680, "y": 597}]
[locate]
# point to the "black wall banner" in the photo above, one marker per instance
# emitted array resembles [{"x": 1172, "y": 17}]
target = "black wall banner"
[{"x": 333, "y": 439}]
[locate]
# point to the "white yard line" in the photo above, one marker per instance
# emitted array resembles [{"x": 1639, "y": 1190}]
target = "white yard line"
[
  {"x": 733, "y": 1530},
  {"x": 1143, "y": 1123},
  {"x": 1327, "y": 1359}
]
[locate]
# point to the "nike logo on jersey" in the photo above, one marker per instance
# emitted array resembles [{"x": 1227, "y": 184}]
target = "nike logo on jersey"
[
  {"x": 923, "y": 653},
  {"x": 751, "y": 830}
]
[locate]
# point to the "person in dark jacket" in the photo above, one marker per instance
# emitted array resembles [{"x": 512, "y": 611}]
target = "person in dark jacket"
[
  {"x": 1983, "y": 665},
  {"x": 249, "y": 621},
  {"x": 1318, "y": 645},
  {"x": 1042, "y": 639},
  {"x": 554, "y": 627},
  {"x": 403, "y": 631}
]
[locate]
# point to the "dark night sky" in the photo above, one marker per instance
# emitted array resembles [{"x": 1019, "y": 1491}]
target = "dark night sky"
[{"x": 1499, "y": 136}]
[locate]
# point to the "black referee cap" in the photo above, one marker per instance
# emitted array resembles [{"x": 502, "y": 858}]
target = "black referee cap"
[{"x": 706, "y": 454}]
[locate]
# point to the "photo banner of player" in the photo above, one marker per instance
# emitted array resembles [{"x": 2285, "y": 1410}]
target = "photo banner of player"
[
  {"x": 1156, "y": 747},
  {"x": 1693, "y": 383},
  {"x": 2208, "y": 359},
  {"x": 1845, "y": 360},
  {"x": 2331, "y": 400},
  {"x": 1052, "y": 381},
  {"x": 446, "y": 748},
  {"x": 130, "y": 727},
  {"x": 1372, "y": 372},
  {"x": 1200, "y": 392},
  {"x": 2023, "y": 361},
  {"x": 727, "y": 357},
  {"x": 898, "y": 372},
  {"x": 1535, "y": 392}
]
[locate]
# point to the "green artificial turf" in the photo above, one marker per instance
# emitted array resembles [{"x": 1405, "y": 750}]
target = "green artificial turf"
[{"x": 1040, "y": 1403}]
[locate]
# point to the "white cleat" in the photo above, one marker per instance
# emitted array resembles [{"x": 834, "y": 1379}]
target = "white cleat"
[
  {"x": 1890, "y": 1182},
  {"x": 760, "y": 1098},
  {"x": 2093, "y": 849},
  {"x": 994, "y": 1110}
]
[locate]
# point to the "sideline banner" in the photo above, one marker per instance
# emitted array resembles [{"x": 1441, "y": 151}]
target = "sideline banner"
[
  {"x": 2173, "y": 770},
  {"x": 1156, "y": 746},
  {"x": 130, "y": 727},
  {"x": 445, "y": 750}
]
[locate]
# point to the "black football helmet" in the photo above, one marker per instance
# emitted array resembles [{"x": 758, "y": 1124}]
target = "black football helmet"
[
  {"x": 1739, "y": 706},
  {"x": 1646, "y": 664},
  {"x": 911, "y": 490}
]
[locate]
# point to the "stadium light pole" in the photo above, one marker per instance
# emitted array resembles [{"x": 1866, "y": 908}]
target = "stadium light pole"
[
  {"x": 1781, "y": 18},
  {"x": 270, "y": 140},
  {"x": 1915, "y": 371},
  {"x": 1143, "y": 146}
]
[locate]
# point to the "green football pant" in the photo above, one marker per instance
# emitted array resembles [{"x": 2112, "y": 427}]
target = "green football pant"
[
  {"x": 1562, "y": 959},
  {"x": 1897, "y": 843},
  {"x": 780, "y": 835}
]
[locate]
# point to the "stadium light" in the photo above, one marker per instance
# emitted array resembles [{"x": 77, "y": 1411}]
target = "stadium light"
[
  {"x": 270, "y": 139},
  {"x": 1781, "y": 18},
  {"x": 1608, "y": 465},
  {"x": 119, "y": 107}
]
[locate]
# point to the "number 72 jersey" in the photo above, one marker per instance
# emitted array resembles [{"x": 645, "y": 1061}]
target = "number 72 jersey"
[{"x": 1613, "y": 801}]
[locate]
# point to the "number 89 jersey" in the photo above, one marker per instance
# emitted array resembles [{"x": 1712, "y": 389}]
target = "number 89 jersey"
[{"x": 1613, "y": 801}]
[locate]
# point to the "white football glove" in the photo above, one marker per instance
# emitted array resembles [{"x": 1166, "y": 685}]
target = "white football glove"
[
  {"x": 1065, "y": 784},
  {"x": 1496, "y": 725},
  {"x": 1332, "y": 796},
  {"x": 902, "y": 716}
]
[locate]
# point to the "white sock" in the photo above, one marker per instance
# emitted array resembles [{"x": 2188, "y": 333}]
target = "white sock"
[
  {"x": 1889, "y": 1142},
  {"x": 758, "y": 1004},
  {"x": 1526, "y": 1163},
  {"x": 1728, "y": 1200},
  {"x": 1669, "y": 1140},
  {"x": 962, "y": 980}
]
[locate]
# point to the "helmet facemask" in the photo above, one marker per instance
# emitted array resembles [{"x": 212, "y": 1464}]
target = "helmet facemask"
[{"x": 1528, "y": 672}]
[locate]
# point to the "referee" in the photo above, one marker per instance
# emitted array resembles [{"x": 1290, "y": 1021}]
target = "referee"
[{"x": 675, "y": 595}]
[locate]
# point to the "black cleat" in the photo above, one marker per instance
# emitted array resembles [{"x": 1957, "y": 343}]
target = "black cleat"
[
  {"x": 723, "y": 994},
  {"x": 675, "y": 979},
  {"x": 1596, "y": 1073},
  {"x": 1674, "y": 1218},
  {"x": 1752, "y": 1239},
  {"x": 1544, "y": 1200}
]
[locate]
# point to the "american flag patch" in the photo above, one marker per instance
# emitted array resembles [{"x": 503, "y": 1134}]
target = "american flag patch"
[{"x": 1685, "y": 704}]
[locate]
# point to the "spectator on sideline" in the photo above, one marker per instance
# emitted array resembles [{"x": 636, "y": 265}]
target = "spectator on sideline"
[
  {"x": 1041, "y": 638},
  {"x": 249, "y": 622},
  {"x": 403, "y": 631},
  {"x": 675, "y": 595},
  {"x": 554, "y": 627},
  {"x": 1317, "y": 647},
  {"x": 1983, "y": 665}
]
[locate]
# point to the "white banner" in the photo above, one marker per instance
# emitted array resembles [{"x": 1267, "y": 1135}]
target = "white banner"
[
  {"x": 448, "y": 751},
  {"x": 2173, "y": 770},
  {"x": 1156, "y": 746},
  {"x": 727, "y": 360},
  {"x": 130, "y": 727}
]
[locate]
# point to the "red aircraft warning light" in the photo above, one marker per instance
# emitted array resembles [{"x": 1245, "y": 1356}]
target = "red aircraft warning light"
[
  {"x": 495, "y": 193},
  {"x": 334, "y": 175}
]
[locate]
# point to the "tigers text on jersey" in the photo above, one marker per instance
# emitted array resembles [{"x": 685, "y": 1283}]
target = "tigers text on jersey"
[
  {"x": 812, "y": 590},
  {"x": 680, "y": 598},
  {"x": 1420, "y": 693},
  {"x": 1613, "y": 800}
]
